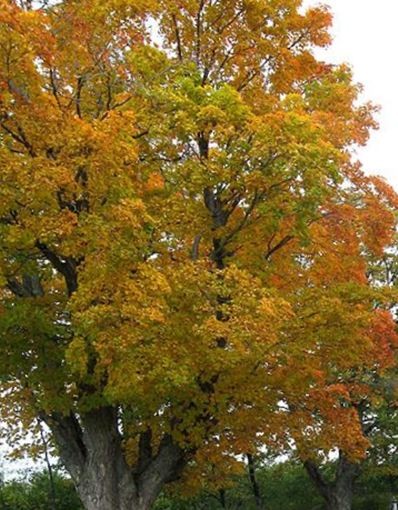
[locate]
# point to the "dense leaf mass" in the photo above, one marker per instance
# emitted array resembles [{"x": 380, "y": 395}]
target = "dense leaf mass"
[{"x": 184, "y": 234}]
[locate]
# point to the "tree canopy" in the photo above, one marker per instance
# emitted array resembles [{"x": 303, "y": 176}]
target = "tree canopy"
[{"x": 184, "y": 236}]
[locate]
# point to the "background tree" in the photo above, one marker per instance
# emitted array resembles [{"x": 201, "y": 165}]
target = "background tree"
[
  {"x": 369, "y": 392},
  {"x": 286, "y": 485},
  {"x": 31, "y": 493},
  {"x": 182, "y": 233}
]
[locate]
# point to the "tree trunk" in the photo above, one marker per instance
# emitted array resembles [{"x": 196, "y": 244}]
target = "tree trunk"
[
  {"x": 339, "y": 493},
  {"x": 254, "y": 483},
  {"x": 340, "y": 501},
  {"x": 340, "y": 496},
  {"x": 91, "y": 449}
]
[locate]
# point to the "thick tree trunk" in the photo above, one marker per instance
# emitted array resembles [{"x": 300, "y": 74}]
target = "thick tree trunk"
[
  {"x": 339, "y": 493},
  {"x": 339, "y": 501},
  {"x": 91, "y": 449}
]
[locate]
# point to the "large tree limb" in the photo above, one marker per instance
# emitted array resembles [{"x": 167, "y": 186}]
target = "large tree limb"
[
  {"x": 164, "y": 468},
  {"x": 317, "y": 478},
  {"x": 29, "y": 287},
  {"x": 66, "y": 266},
  {"x": 68, "y": 436}
]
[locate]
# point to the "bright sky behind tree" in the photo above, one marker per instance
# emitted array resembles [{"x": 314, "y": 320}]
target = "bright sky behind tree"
[{"x": 365, "y": 36}]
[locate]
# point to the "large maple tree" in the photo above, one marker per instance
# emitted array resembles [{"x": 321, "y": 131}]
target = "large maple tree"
[{"x": 183, "y": 232}]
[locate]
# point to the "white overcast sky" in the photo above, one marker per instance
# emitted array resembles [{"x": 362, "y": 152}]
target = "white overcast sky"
[{"x": 366, "y": 37}]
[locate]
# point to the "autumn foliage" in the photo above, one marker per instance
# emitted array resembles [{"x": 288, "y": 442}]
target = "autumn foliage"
[{"x": 184, "y": 234}]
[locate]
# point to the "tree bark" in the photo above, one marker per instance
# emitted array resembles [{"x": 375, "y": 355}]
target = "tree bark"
[
  {"x": 342, "y": 501},
  {"x": 90, "y": 447}
]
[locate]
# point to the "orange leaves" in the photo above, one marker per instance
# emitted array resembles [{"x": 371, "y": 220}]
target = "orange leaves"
[
  {"x": 383, "y": 333},
  {"x": 384, "y": 191},
  {"x": 238, "y": 39},
  {"x": 155, "y": 182},
  {"x": 319, "y": 19},
  {"x": 332, "y": 426}
]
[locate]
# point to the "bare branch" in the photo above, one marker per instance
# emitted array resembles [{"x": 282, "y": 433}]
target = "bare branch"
[{"x": 283, "y": 242}]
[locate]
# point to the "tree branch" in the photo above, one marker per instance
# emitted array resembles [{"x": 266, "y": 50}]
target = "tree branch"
[
  {"x": 69, "y": 439},
  {"x": 317, "y": 478},
  {"x": 165, "y": 467},
  {"x": 30, "y": 286},
  {"x": 178, "y": 37},
  {"x": 66, "y": 266},
  {"x": 271, "y": 250}
]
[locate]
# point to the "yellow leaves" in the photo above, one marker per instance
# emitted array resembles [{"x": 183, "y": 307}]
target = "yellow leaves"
[
  {"x": 130, "y": 212},
  {"x": 67, "y": 222},
  {"x": 201, "y": 107},
  {"x": 209, "y": 116},
  {"x": 148, "y": 62},
  {"x": 277, "y": 310},
  {"x": 77, "y": 357}
]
